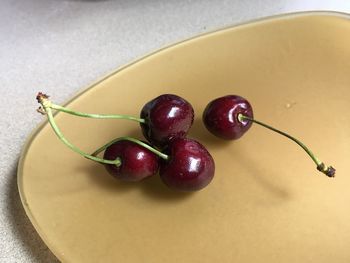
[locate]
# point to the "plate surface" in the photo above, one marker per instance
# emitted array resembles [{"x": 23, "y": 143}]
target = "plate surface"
[{"x": 267, "y": 202}]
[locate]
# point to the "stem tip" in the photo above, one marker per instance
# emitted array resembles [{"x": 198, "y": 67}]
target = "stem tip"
[
  {"x": 40, "y": 97},
  {"x": 329, "y": 171},
  {"x": 41, "y": 110}
]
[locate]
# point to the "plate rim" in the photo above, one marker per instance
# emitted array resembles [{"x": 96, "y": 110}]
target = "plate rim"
[{"x": 32, "y": 135}]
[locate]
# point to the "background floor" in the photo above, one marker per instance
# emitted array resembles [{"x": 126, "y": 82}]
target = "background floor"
[{"x": 61, "y": 46}]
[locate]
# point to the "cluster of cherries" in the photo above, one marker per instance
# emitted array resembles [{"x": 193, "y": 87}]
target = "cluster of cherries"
[{"x": 183, "y": 164}]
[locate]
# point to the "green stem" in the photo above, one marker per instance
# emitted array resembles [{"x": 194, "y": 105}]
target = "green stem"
[
  {"x": 47, "y": 107},
  {"x": 329, "y": 171},
  {"x": 58, "y": 132},
  {"x": 95, "y": 116},
  {"x": 145, "y": 145}
]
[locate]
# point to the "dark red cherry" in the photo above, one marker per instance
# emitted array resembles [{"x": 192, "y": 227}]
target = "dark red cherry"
[
  {"x": 167, "y": 116},
  {"x": 137, "y": 162},
  {"x": 221, "y": 117},
  {"x": 190, "y": 167}
]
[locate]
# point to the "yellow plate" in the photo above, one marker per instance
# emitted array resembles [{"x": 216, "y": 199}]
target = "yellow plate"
[{"x": 267, "y": 202}]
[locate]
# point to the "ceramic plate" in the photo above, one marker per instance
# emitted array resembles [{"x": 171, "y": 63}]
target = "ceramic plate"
[{"x": 267, "y": 202}]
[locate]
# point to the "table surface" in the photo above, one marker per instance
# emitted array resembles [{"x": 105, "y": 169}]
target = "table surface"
[{"x": 60, "y": 47}]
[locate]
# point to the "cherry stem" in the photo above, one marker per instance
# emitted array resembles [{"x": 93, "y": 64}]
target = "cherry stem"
[
  {"x": 327, "y": 170},
  {"x": 43, "y": 100},
  {"x": 58, "y": 132},
  {"x": 141, "y": 143},
  {"x": 93, "y": 115},
  {"x": 47, "y": 107}
]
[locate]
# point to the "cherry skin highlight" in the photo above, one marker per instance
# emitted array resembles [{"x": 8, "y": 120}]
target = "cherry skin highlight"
[
  {"x": 167, "y": 116},
  {"x": 221, "y": 117},
  {"x": 190, "y": 166},
  {"x": 137, "y": 162}
]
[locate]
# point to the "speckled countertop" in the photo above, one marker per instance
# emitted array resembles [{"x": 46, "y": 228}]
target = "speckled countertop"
[{"x": 61, "y": 46}]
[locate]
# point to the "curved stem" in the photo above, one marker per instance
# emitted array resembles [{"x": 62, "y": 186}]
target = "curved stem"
[
  {"x": 47, "y": 107},
  {"x": 60, "y": 135},
  {"x": 329, "y": 171},
  {"x": 145, "y": 145},
  {"x": 95, "y": 116}
]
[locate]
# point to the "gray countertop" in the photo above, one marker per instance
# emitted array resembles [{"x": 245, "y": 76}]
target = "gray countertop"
[{"x": 61, "y": 46}]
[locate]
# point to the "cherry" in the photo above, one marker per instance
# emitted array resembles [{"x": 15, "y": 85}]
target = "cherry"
[
  {"x": 166, "y": 117},
  {"x": 190, "y": 166},
  {"x": 221, "y": 117},
  {"x": 187, "y": 166},
  {"x": 229, "y": 117},
  {"x": 163, "y": 118},
  {"x": 136, "y": 162}
]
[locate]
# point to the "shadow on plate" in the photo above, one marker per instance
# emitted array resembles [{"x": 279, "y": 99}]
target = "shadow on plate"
[
  {"x": 265, "y": 177},
  {"x": 152, "y": 188}
]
